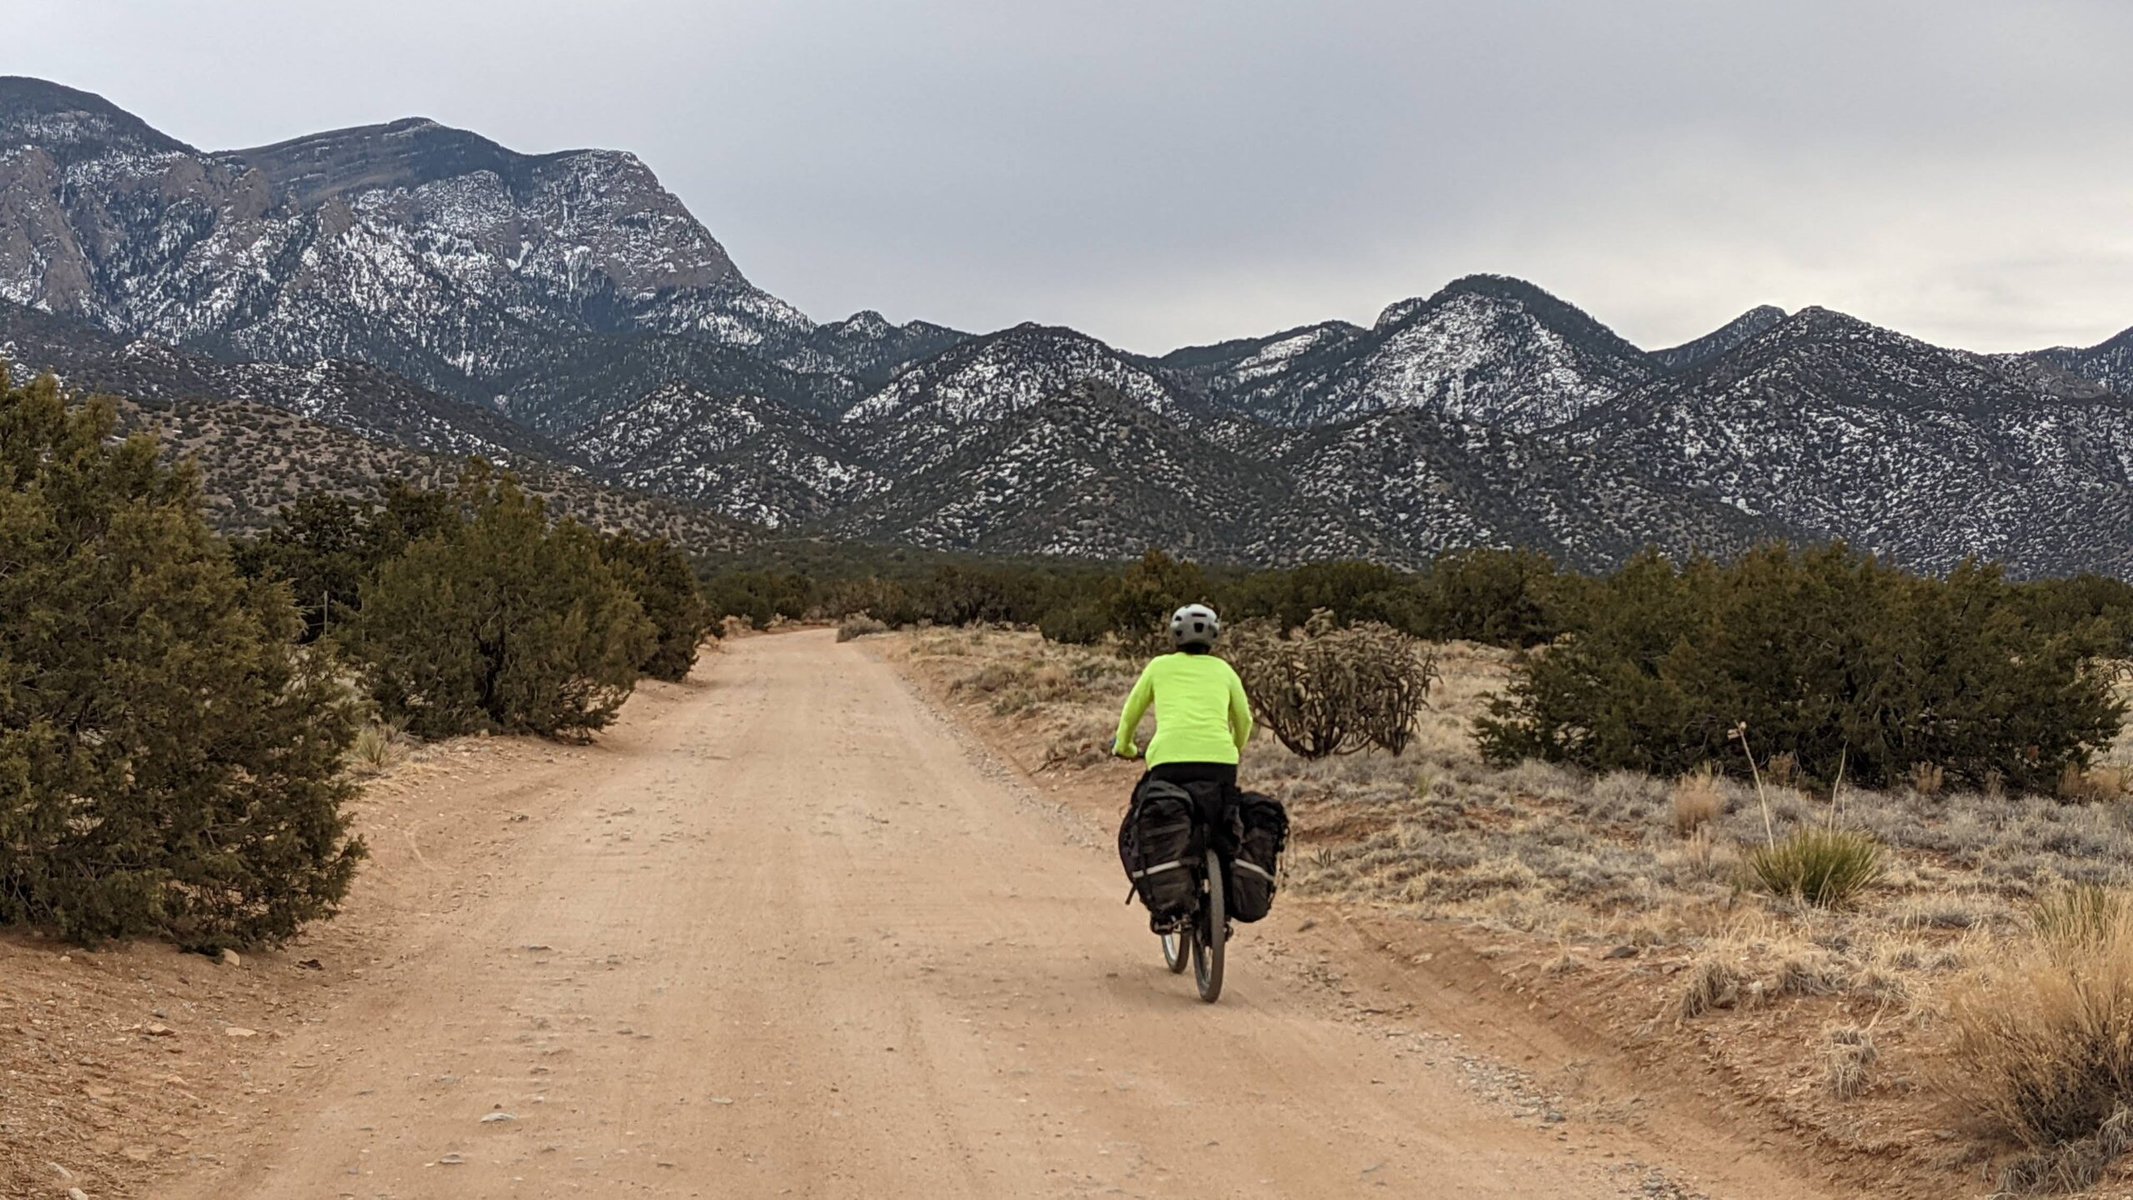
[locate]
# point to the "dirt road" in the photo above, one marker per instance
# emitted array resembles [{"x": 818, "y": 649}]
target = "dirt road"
[{"x": 794, "y": 939}]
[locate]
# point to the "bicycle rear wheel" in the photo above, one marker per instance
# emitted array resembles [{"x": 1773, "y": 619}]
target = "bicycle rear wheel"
[
  {"x": 1177, "y": 949},
  {"x": 1213, "y": 931}
]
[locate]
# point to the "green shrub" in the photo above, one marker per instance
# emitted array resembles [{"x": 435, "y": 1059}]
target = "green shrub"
[
  {"x": 658, "y": 575},
  {"x": 886, "y": 600},
  {"x": 1137, "y": 603},
  {"x": 325, "y": 547},
  {"x": 968, "y": 595},
  {"x": 502, "y": 622},
  {"x": 858, "y": 626},
  {"x": 1828, "y": 868},
  {"x": 1081, "y": 624},
  {"x": 1328, "y": 690},
  {"x": 320, "y": 548},
  {"x": 170, "y": 759},
  {"x": 1353, "y": 591},
  {"x": 759, "y": 597},
  {"x": 1839, "y": 658},
  {"x": 2092, "y": 608},
  {"x": 1501, "y": 597}
]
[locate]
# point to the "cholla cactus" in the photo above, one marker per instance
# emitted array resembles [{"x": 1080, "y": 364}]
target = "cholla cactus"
[{"x": 1328, "y": 689}]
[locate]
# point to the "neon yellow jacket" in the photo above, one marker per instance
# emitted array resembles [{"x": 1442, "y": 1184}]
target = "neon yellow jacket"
[{"x": 1201, "y": 713}]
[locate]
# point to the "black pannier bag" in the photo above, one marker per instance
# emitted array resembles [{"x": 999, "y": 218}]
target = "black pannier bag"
[
  {"x": 1264, "y": 833},
  {"x": 1159, "y": 846}
]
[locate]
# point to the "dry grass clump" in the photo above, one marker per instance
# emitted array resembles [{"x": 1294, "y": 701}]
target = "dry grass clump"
[
  {"x": 2080, "y": 917},
  {"x": 1926, "y": 779},
  {"x": 1848, "y": 1058},
  {"x": 1712, "y": 983},
  {"x": 1702, "y": 858},
  {"x": 1826, "y": 868},
  {"x": 2043, "y": 1047},
  {"x": 1783, "y": 769},
  {"x": 1051, "y": 681},
  {"x": 990, "y": 679},
  {"x": 1564, "y": 963},
  {"x": 379, "y": 746},
  {"x": 1811, "y": 972},
  {"x": 2097, "y": 785},
  {"x": 1697, "y": 803},
  {"x": 859, "y": 625},
  {"x": 1073, "y": 689},
  {"x": 2074, "y": 1166},
  {"x": 1945, "y": 912}
]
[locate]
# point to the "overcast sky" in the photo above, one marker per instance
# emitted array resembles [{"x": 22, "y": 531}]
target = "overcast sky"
[{"x": 1158, "y": 172}]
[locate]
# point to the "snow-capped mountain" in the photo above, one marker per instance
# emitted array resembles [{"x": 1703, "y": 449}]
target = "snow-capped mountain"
[
  {"x": 1428, "y": 486},
  {"x": 1486, "y": 350},
  {"x": 1252, "y": 373},
  {"x": 868, "y": 348},
  {"x": 746, "y": 457},
  {"x": 355, "y": 397},
  {"x": 2109, "y": 363},
  {"x": 921, "y": 416},
  {"x": 1094, "y": 472},
  {"x": 1720, "y": 340},
  {"x": 1845, "y": 430},
  {"x": 429, "y": 251},
  {"x": 422, "y": 286}
]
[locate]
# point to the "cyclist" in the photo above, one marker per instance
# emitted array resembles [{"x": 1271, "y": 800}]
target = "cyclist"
[{"x": 1202, "y": 718}]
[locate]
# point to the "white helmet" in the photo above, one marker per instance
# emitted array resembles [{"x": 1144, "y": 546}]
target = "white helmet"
[{"x": 1195, "y": 625}]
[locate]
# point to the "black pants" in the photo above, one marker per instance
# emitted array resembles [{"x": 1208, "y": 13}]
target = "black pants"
[
  {"x": 1182, "y": 773},
  {"x": 1217, "y": 805}
]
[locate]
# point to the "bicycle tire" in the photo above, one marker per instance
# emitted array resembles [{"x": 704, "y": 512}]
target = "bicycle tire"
[
  {"x": 1177, "y": 950},
  {"x": 1213, "y": 932}
]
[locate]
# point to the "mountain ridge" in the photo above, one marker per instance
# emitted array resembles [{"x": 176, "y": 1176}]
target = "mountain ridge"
[
  {"x": 1722, "y": 339},
  {"x": 418, "y": 284}
]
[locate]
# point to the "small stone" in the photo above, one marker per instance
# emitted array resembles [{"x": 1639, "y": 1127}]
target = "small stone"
[
  {"x": 451, "y": 1160},
  {"x": 312, "y": 964},
  {"x": 497, "y": 1118},
  {"x": 229, "y": 959},
  {"x": 60, "y": 1171},
  {"x": 77, "y": 1194},
  {"x": 156, "y": 1030},
  {"x": 239, "y": 1031}
]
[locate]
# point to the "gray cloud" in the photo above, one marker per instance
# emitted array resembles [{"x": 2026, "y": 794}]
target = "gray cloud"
[{"x": 1156, "y": 173}]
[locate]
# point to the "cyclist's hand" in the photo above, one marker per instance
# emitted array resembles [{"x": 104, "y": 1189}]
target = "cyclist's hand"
[{"x": 1126, "y": 750}]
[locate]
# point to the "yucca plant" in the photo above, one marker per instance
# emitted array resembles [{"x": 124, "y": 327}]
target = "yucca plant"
[
  {"x": 1824, "y": 867},
  {"x": 378, "y": 746}
]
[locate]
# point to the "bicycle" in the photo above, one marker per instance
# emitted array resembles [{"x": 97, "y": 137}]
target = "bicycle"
[{"x": 1202, "y": 935}]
